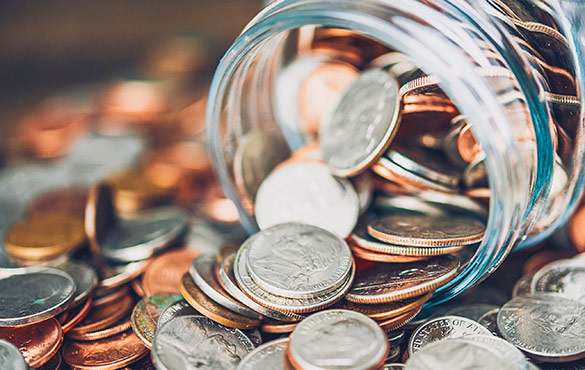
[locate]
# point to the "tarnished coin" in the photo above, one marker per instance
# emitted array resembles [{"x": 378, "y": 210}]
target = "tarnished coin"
[
  {"x": 141, "y": 236},
  {"x": 490, "y": 320},
  {"x": 76, "y": 316},
  {"x": 471, "y": 311},
  {"x": 418, "y": 230},
  {"x": 338, "y": 339},
  {"x": 104, "y": 313},
  {"x": 384, "y": 311},
  {"x": 194, "y": 341},
  {"x": 297, "y": 260},
  {"x": 386, "y": 282},
  {"x": 117, "y": 328},
  {"x": 164, "y": 273},
  {"x": 564, "y": 277},
  {"x": 365, "y": 119},
  {"x": 268, "y": 356},
  {"x": 84, "y": 277},
  {"x": 33, "y": 295},
  {"x": 306, "y": 192},
  {"x": 202, "y": 272},
  {"x": 442, "y": 328},
  {"x": 146, "y": 313},
  {"x": 547, "y": 327},
  {"x": 11, "y": 357}
]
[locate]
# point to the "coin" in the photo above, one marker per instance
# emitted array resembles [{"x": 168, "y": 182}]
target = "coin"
[
  {"x": 104, "y": 354},
  {"x": 365, "y": 119},
  {"x": 33, "y": 295},
  {"x": 103, "y": 314},
  {"x": 269, "y": 327},
  {"x": 209, "y": 308},
  {"x": 369, "y": 255},
  {"x": 505, "y": 349},
  {"x": 547, "y": 327},
  {"x": 306, "y": 192},
  {"x": 408, "y": 180},
  {"x": 392, "y": 282},
  {"x": 425, "y": 164},
  {"x": 146, "y": 313},
  {"x": 338, "y": 338},
  {"x": 202, "y": 272},
  {"x": 468, "y": 147},
  {"x": 45, "y": 236},
  {"x": 79, "y": 313},
  {"x": 523, "y": 285},
  {"x": 394, "y": 367},
  {"x": 139, "y": 237},
  {"x": 441, "y": 328},
  {"x": 471, "y": 311},
  {"x": 136, "y": 285},
  {"x": 164, "y": 273},
  {"x": 133, "y": 192},
  {"x": 117, "y": 328},
  {"x": 490, "y": 320},
  {"x": 120, "y": 275},
  {"x": 53, "y": 364},
  {"x": 395, "y": 337},
  {"x": 564, "y": 277},
  {"x": 37, "y": 342},
  {"x": 297, "y": 260},
  {"x": 418, "y": 230},
  {"x": 200, "y": 342},
  {"x": 398, "y": 322},
  {"x": 11, "y": 357},
  {"x": 268, "y": 356},
  {"x": 384, "y": 311},
  {"x": 84, "y": 277}
]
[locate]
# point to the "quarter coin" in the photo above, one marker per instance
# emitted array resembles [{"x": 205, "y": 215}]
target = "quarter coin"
[
  {"x": 268, "y": 356},
  {"x": 146, "y": 313}
]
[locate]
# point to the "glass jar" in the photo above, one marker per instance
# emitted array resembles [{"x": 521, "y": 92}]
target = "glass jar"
[{"x": 510, "y": 66}]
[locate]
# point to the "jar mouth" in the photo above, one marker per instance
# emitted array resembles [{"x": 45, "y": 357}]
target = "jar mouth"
[{"x": 515, "y": 189}]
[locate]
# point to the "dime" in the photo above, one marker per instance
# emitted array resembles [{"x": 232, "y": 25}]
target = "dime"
[
  {"x": 523, "y": 285},
  {"x": 306, "y": 192},
  {"x": 146, "y": 313},
  {"x": 471, "y": 311},
  {"x": 365, "y": 119},
  {"x": 33, "y": 295},
  {"x": 384, "y": 311},
  {"x": 297, "y": 260},
  {"x": 109, "y": 353},
  {"x": 425, "y": 164},
  {"x": 490, "y": 320},
  {"x": 419, "y": 230},
  {"x": 11, "y": 357},
  {"x": 202, "y": 272},
  {"x": 547, "y": 327},
  {"x": 268, "y": 356},
  {"x": 338, "y": 339},
  {"x": 392, "y": 282},
  {"x": 194, "y": 341},
  {"x": 209, "y": 308},
  {"x": 139, "y": 237},
  {"x": 103, "y": 314},
  {"x": 164, "y": 273},
  {"x": 564, "y": 277},
  {"x": 76, "y": 317},
  {"x": 84, "y": 277},
  {"x": 37, "y": 342},
  {"x": 442, "y": 328}
]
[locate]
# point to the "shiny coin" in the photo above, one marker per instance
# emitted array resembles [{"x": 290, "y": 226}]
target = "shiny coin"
[
  {"x": 505, "y": 349},
  {"x": 37, "y": 343},
  {"x": 34, "y": 295},
  {"x": 547, "y": 327},
  {"x": 564, "y": 277},
  {"x": 139, "y": 237},
  {"x": 297, "y": 260},
  {"x": 365, "y": 120},
  {"x": 442, "y": 328},
  {"x": 384, "y": 311},
  {"x": 45, "y": 236},
  {"x": 76, "y": 316},
  {"x": 164, "y": 273},
  {"x": 84, "y": 277},
  {"x": 202, "y": 272},
  {"x": 268, "y": 356},
  {"x": 194, "y": 341},
  {"x": 386, "y": 282},
  {"x": 146, "y": 314},
  {"x": 11, "y": 357},
  {"x": 408, "y": 180},
  {"x": 338, "y": 339},
  {"x": 425, "y": 164},
  {"x": 369, "y": 255},
  {"x": 490, "y": 320},
  {"x": 306, "y": 192},
  {"x": 209, "y": 308},
  {"x": 471, "y": 311},
  {"x": 418, "y": 230}
]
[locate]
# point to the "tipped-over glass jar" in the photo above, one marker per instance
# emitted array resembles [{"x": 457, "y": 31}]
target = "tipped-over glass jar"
[{"x": 450, "y": 102}]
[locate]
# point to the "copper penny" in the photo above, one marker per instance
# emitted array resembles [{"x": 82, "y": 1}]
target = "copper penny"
[
  {"x": 105, "y": 354},
  {"x": 77, "y": 315},
  {"x": 103, "y": 315},
  {"x": 137, "y": 287},
  {"x": 37, "y": 342},
  {"x": 145, "y": 315},
  {"x": 195, "y": 297},
  {"x": 70, "y": 200},
  {"x": 274, "y": 327},
  {"x": 53, "y": 364},
  {"x": 117, "y": 328},
  {"x": 382, "y": 257},
  {"x": 385, "y": 311},
  {"x": 467, "y": 146},
  {"x": 165, "y": 272},
  {"x": 399, "y": 321},
  {"x": 576, "y": 227}
]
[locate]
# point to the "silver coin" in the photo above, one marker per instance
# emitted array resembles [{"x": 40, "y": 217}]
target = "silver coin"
[
  {"x": 476, "y": 174},
  {"x": 33, "y": 295},
  {"x": 11, "y": 357},
  {"x": 306, "y": 192},
  {"x": 415, "y": 181},
  {"x": 546, "y": 326},
  {"x": 405, "y": 203},
  {"x": 523, "y": 285},
  {"x": 442, "y": 328},
  {"x": 268, "y": 356},
  {"x": 287, "y": 304},
  {"x": 141, "y": 236},
  {"x": 197, "y": 342},
  {"x": 297, "y": 260},
  {"x": 394, "y": 367},
  {"x": 490, "y": 320},
  {"x": 471, "y": 311},
  {"x": 84, "y": 277},
  {"x": 362, "y": 124},
  {"x": 339, "y": 339},
  {"x": 565, "y": 277},
  {"x": 225, "y": 274},
  {"x": 202, "y": 273},
  {"x": 418, "y": 230},
  {"x": 505, "y": 349},
  {"x": 457, "y": 354},
  {"x": 425, "y": 164}
]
